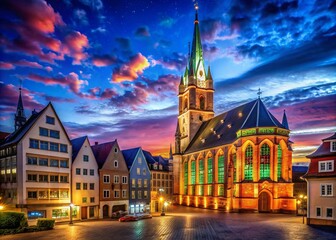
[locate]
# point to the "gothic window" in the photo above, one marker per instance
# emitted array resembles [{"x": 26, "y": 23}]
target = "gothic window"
[
  {"x": 210, "y": 170},
  {"x": 193, "y": 172},
  {"x": 279, "y": 161},
  {"x": 248, "y": 163},
  {"x": 185, "y": 107},
  {"x": 233, "y": 159},
  {"x": 202, "y": 102},
  {"x": 186, "y": 178},
  {"x": 265, "y": 161},
  {"x": 221, "y": 168},
  {"x": 201, "y": 171}
]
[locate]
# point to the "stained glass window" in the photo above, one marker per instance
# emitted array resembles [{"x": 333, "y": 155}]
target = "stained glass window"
[
  {"x": 193, "y": 172},
  {"x": 234, "y": 157},
  {"x": 209, "y": 170},
  {"x": 279, "y": 161},
  {"x": 248, "y": 170},
  {"x": 186, "y": 178},
  {"x": 201, "y": 171},
  {"x": 221, "y": 168},
  {"x": 265, "y": 161}
]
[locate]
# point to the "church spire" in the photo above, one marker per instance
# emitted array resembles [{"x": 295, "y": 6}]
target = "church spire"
[
  {"x": 170, "y": 152},
  {"x": 20, "y": 117},
  {"x": 284, "y": 120}
]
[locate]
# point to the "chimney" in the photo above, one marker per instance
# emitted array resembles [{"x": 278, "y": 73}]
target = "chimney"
[{"x": 96, "y": 143}]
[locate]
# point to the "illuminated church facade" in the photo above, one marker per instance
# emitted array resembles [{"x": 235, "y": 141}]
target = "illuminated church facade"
[{"x": 237, "y": 161}]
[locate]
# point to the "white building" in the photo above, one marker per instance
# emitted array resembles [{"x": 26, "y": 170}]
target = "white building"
[{"x": 85, "y": 179}]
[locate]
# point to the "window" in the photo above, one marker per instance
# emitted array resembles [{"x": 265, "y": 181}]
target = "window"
[
  {"x": 210, "y": 170},
  {"x": 91, "y": 186},
  {"x": 185, "y": 179},
  {"x": 201, "y": 171},
  {"x": 32, "y": 160},
  {"x": 279, "y": 162},
  {"x": 44, "y": 145},
  {"x": 84, "y": 186},
  {"x": 202, "y": 103},
  {"x": 84, "y": 200},
  {"x": 116, "y": 150},
  {"x": 85, "y": 171},
  {"x": 139, "y": 159},
  {"x": 116, "y": 193},
  {"x": 106, "y": 178},
  {"x": 115, "y": 163},
  {"x": 64, "y": 163},
  {"x": 43, "y": 194},
  {"x": 43, "y": 161},
  {"x": 124, "y": 193},
  {"x": 54, "y": 134},
  {"x": 32, "y": 194},
  {"x": 44, "y": 132},
  {"x": 145, "y": 195},
  {"x": 326, "y": 189},
  {"x": 326, "y": 166},
  {"x": 221, "y": 168},
  {"x": 78, "y": 186},
  {"x": 145, "y": 183},
  {"x": 50, "y": 120},
  {"x": 116, "y": 179},
  {"x": 333, "y": 146},
  {"x": 78, "y": 171},
  {"x": 91, "y": 172},
  {"x": 221, "y": 190},
  {"x": 54, "y": 147},
  {"x": 64, "y": 179},
  {"x": 133, "y": 182},
  {"x": 210, "y": 190},
  {"x": 64, "y": 194},
  {"x": 133, "y": 194},
  {"x": 92, "y": 199},
  {"x": 234, "y": 162},
  {"x": 53, "y": 178},
  {"x": 43, "y": 178},
  {"x": 248, "y": 169},
  {"x": 138, "y": 171},
  {"x": 64, "y": 148},
  {"x": 124, "y": 179},
  {"x": 106, "y": 193},
  {"x": 33, "y": 143},
  {"x": 54, "y": 194},
  {"x": 318, "y": 212},
  {"x": 85, "y": 158},
  {"x": 144, "y": 171},
  {"x": 53, "y": 163},
  {"x": 32, "y": 177},
  {"x": 193, "y": 172},
  {"x": 139, "y": 195},
  {"x": 139, "y": 182},
  {"x": 265, "y": 161},
  {"x": 329, "y": 213}
]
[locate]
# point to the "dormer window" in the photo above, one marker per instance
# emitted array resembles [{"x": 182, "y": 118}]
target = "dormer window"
[
  {"x": 326, "y": 166},
  {"x": 333, "y": 146},
  {"x": 115, "y": 163}
]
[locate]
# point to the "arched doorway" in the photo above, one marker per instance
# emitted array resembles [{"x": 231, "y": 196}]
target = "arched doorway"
[
  {"x": 264, "y": 202},
  {"x": 105, "y": 211}
]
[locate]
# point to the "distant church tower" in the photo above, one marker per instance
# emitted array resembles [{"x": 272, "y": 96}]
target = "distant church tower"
[
  {"x": 20, "y": 117},
  {"x": 195, "y": 94}
]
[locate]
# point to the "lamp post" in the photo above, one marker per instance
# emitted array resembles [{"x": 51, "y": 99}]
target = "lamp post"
[
  {"x": 303, "y": 199},
  {"x": 161, "y": 190},
  {"x": 71, "y": 206}
]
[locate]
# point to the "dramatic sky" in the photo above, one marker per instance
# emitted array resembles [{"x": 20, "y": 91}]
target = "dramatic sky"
[{"x": 111, "y": 68}]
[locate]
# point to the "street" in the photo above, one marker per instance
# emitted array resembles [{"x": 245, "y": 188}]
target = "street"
[{"x": 189, "y": 223}]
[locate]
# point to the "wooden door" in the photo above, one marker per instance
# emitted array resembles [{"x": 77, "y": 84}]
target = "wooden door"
[
  {"x": 84, "y": 212},
  {"x": 264, "y": 202}
]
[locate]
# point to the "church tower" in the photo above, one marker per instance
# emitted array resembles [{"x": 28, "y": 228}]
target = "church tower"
[
  {"x": 195, "y": 94},
  {"x": 20, "y": 117}
]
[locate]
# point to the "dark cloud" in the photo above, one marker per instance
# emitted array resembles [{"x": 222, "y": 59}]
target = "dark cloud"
[
  {"x": 103, "y": 60},
  {"x": 175, "y": 61},
  {"x": 142, "y": 32}
]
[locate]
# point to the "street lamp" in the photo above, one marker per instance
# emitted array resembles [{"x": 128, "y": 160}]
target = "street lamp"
[
  {"x": 303, "y": 199},
  {"x": 1, "y": 207},
  {"x": 71, "y": 206}
]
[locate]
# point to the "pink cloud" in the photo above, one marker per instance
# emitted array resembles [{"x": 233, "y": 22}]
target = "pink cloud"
[
  {"x": 104, "y": 60},
  {"x": 6, "y": 66},
  {"x": 48, "y": 68},
  {"x": 25, "y": 63},
  {"x": 131, "y": 70},
  {"x": 74, "y": 45}
]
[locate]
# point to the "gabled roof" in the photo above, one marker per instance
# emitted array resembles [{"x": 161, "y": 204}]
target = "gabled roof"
[
  {"x": 77, "y": 144},
  {"x": 149, "y": 158},
  {"x": 333, "y": 137},
  {"x": 324, "y": 149},
  {"x": 101, "y": 152},
  {"x": 222, "y": 129},
  {"x": 129, "y": 156}
]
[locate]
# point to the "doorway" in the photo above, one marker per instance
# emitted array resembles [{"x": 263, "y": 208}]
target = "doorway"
[
  {"x": 84, "y": 212},
  {"x": 105, "y": 211},
  {"x": 264, "y": 202}
]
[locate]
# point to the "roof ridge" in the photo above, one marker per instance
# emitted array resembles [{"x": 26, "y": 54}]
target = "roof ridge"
[{"x": 248, "y": 116}]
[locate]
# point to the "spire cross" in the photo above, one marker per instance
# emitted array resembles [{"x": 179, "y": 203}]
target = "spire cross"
[{"x": 259, "y": 93}]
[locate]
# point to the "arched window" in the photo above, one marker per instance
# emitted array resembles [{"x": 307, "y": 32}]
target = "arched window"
[
  {"x": 221, "y": 174},
  {"x": 265, "y": 161},
  {"x": 248, "y": 170},
  {"x": 202, "y": 103},
  {"x": 279, "y": 162},
  {"x": 210, "y": 170},
  {"x": 193, "y": 172},
  {"x": 201, "y": 171},
  {"x": 234, "y": 162},
  {"x": 186, "y": 178}
]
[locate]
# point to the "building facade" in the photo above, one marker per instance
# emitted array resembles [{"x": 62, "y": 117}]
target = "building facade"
[
  {"x": 85, "y": 180},
  {"x": 113, "y": 178},
  {"x": 240, "y": 160},
  {"x": 35, "y": 164},
  {"x": 140, "y": 177},
  {"x": 321, "y": 180}
]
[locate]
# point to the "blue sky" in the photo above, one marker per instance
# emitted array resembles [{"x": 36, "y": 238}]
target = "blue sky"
[{"x": 111, "y": 68}]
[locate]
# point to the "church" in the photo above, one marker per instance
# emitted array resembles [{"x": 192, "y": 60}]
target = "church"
[{"x": 237, "y": 161}]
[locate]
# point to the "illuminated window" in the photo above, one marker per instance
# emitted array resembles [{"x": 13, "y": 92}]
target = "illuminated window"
[
  {"x": 201, "y": 171},
  {"x": 193, "y": 172},
  {"x": 265, "y": 161},
  {"x": 279, "y": 161},
  {"x": 185, "y": 178},
  {"x": 221, "y": 168},
  {"x": 210, "y": 190},
  {"x": 234, "y": 162},
  {"x": 221, "y": 190},
  {"x": 202, "y": 103},
  {"x": 210, "y": 170},
  {"x": 248, "y": 170}
]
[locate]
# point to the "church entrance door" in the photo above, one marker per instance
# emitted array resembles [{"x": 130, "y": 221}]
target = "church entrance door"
[{"x": 264, "y": 202}]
